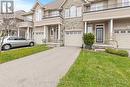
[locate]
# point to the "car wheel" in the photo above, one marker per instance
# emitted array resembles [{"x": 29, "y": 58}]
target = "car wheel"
[
  {"x": 6, "y": 47},
  {"x": 31, "y": 44}
]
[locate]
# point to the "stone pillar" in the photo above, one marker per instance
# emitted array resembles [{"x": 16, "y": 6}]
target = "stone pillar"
[
  {"x": 59, "y": 32},
  {"x": 111, "y": 29}
]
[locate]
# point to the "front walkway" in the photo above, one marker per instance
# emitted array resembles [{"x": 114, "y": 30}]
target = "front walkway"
[{"x": 40, "y": 70}]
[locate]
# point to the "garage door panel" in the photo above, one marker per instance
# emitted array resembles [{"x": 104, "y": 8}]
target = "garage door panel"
[
  {"x": 123, "y": 40},
  {"x": 73, "y": 38}
]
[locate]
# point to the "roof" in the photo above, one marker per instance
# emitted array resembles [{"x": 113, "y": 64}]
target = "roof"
[
  {"x": 27, "y": 13},
  {"x": 54, "y": 5},
  {"x": 17, "y": 14}
]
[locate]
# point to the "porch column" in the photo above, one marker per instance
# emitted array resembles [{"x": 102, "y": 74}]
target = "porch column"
[
  {"x": 111, "y": 29},
  {"x": 59, "y": 31},
  {"x": 18, "y": 32},
  {"x": 44, "y": 27},
  {"x": 85, "y": 27},
  {"x": 28, "y": 33}
]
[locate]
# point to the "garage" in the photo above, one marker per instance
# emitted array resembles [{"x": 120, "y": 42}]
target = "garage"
[
  {"x": 38, "y": 37},
  {"x": 123, "y": 38},
  {"x": 73, "y": 38}
]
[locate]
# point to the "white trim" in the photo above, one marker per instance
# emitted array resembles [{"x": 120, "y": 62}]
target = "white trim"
[
  {"x": 111, "y": 28},
  {"x": 85, "y": 31},
  {"x": 59, "y": 31},
  {"x": 103, "y": 31}
]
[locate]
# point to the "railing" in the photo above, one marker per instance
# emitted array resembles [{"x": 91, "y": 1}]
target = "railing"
[
  {"x": 52, "y": 15},
  {"x": 107, "y": 7},
  {"x": 27, "y": 19},
  {"x": 25, "y": 24}
]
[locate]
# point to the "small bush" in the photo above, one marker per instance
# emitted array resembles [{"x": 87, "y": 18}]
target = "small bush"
[
  {"x": 89, "y": 39},
  {"x": 117, "y": 52}
]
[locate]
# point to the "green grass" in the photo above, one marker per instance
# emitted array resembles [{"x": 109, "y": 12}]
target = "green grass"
[
  {"x": 98, "y": 69},
  {"x": 20, "y": 52}
]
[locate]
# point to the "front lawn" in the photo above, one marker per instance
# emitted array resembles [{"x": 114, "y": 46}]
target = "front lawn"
[
  {"x": 20, "y": 52},
  {"x": 98, "y": 69}
]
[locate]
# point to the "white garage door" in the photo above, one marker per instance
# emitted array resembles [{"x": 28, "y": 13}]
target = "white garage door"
[
  {"x": 123, "y": 38},
  {"x": 38, "y": 37},
  {"x": 73, "y": 38}
]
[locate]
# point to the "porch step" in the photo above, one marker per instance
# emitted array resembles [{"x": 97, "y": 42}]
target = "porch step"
[{"x": 102, "y": 46}]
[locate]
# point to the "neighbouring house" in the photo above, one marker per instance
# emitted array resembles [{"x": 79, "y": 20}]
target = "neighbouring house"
[
  {"x": 65, "y": 22},
  {"x": 19, "y": 25}
]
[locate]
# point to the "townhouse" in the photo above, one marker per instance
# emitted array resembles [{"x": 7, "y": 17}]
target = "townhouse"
[{"x": 63, "y": 22}]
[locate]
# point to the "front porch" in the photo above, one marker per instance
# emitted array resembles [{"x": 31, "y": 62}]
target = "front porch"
[
  {"x": 53, "y": 35},
  {"x": 103, "y": 31}
]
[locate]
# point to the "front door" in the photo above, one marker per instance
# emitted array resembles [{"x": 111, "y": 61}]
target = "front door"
[
  {"x": 99, "y": 35},
  {"x": 53, "y": 35}
]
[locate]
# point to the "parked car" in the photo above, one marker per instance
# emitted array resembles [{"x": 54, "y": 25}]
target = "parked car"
[{"x": 12, "y": 41}]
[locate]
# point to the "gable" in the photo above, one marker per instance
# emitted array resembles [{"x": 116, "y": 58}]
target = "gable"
[{"x": 37, "y": 5}]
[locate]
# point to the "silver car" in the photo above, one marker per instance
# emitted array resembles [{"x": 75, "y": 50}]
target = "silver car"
[{"x": 11, "y": 41}]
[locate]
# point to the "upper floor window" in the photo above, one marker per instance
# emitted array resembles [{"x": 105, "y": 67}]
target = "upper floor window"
[
  {"x": 79, "y": 11},
  {"x": 67, "y": 13},
  {"x": 54, "y": 13},
  {"x": 38, "y": 15},
  {"x": 96, "y": 6},
  {"x": 73, "y": 11},
  {"x": 125, "y": 2}
]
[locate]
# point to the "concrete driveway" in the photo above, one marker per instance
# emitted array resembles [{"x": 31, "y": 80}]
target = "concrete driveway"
[{"x": 40, "y": 70}]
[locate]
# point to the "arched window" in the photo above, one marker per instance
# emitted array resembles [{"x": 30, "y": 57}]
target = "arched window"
[{"x": 73, "y": 11}]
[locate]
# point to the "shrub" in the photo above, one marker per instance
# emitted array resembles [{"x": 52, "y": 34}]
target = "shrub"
[
  {"x": 89, "y": 40},
  {"x": 117, "y": 52}
]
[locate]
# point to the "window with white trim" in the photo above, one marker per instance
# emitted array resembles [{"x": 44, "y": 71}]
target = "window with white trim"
[
  {"x": 79, "y": 11},
  {"x": 54, "y": 13},
  {"x": 67, "y": 13},
  {"x": 125, "y": 2},
  {"x": 90, "y": 30},
  {"x": 96, "y": 6},
  {"x": 38, "y": 15},
  {"x": 73, "y": 11}
]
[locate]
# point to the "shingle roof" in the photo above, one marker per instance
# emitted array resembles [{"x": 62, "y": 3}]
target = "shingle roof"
[{"x": 54, "y": 5}]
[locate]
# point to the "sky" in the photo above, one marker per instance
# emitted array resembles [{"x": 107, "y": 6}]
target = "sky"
[{"x": 28, "y": 4}]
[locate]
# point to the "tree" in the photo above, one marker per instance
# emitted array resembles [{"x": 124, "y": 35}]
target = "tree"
[{"x": 7, "y": 21}]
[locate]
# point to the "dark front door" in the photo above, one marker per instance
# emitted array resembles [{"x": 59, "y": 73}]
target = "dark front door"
[{"x": 99, "y": 35}]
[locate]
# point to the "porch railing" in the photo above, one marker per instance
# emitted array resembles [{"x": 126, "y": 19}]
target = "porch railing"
[{"x": 106, "y": 7}]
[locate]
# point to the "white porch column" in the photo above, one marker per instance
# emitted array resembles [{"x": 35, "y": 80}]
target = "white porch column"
[
  {"x": 44, "y": 27},
  {"x": 28, "y": 33},
  {"x": 18, "y": 32},
  {"x": 59, "y": 31},
  {"x": 111, "y": 29},
  {"x": 85, "y": 31}
]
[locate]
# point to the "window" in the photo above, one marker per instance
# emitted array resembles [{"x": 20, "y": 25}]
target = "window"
[
  {"x": 79, "y": 11},
  {"x": 54, "y": 13},
  {"x": 73, "y": 11},
  {"x": 90, "y": 29},
  {"x": 116, "y": 31},
  {"x": 67, "y": 13},
  {"x": 128, "y": 31},
  {"x": 123, "y": 31},
  {"x": 38, "y": 15},
  {"x": 125, "y": 2},
  {"x": 96, "y": 6}
]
